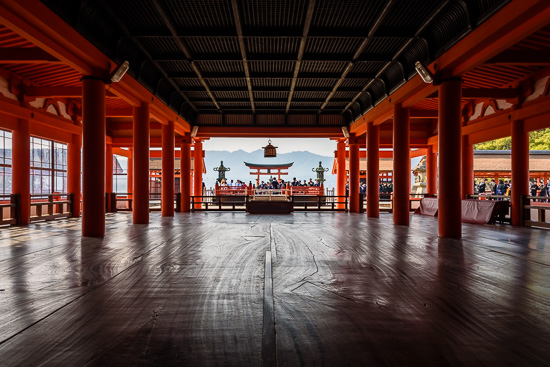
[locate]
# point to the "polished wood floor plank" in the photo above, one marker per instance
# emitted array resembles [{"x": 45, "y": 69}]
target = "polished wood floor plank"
[{"x": 347, "y": 290}]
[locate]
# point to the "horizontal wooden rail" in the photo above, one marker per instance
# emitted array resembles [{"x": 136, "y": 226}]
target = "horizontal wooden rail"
[
  {"x": 9, "y": 204},
  {"x": 540, "y": 205},
  {"x": 51, "y": 206}
]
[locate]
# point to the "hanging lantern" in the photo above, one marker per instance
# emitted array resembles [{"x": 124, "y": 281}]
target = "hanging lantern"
[{"x": 269, "y": 150}]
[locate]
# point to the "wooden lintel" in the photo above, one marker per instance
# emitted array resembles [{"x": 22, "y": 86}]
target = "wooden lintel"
[
  {"x": 119, "y": 112},
  {"x": 57, "y": 92},
  {"x": 418, "y": 114},
  {"x": 494, "y": 93},
  {"x": 27, "y": 55},
  {"x": 521, "y": 57}
]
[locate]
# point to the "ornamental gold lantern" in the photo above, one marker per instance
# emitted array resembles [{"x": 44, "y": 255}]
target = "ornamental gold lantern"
[{"x": 269, "y": 150}]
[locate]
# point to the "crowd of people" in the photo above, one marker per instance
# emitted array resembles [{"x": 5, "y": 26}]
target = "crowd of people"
[
  {"x": 504, "y": 187},
  {"x": 272, "y": 183}
]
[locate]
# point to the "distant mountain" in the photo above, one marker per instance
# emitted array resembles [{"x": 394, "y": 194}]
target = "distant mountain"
[{"x": 304, "y": 162}]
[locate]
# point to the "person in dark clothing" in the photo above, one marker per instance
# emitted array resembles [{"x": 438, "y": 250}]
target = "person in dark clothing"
[
  {"x": 534, "y": 188},
  {"x": 482, "y": 186},
  {"x": 494, "y": 187},
  {"x": 501, "y": 188}
]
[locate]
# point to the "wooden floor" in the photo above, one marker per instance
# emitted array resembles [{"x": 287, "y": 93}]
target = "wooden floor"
[{"x": 346, "y": 290}]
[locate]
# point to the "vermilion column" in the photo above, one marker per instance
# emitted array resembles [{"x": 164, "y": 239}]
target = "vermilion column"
[
  {"x": 373, "y": 170},
  {"x": 130, "y": 173},
  {"x": 520, "y": 169},
  {"x": 168, "y": 143},
  {"x": 341, "y": 173},
  {"x": 354, "y": 175},
  {"x": 93, "y": 157},
  {"x": 185, "y": 175},
  {"x": 431, "y": 171},
  {"x": 401, "y": 165},
  {"x": 108, "y": 169},
  {"x": 197, "y": 171},
  {"x": 449, "y": 127},
  {"x": 141, "y": 164},
  {"x": 467, "y": 168},
  {"x": 21, "y": 171},
  {"x": 73, "y": 172}
]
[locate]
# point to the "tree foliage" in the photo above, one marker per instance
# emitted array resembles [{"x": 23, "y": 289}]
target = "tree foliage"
[{"x": 538, "y": 140}]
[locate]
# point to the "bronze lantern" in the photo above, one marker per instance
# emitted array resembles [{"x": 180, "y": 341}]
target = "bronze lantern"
[{"x": 269, "y": 150}]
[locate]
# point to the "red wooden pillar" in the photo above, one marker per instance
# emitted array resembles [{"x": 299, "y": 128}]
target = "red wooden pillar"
[
  {"x": 341, "y": 173},
  {"x": 21, "y": 170},
  {"x": 197, "y": 171},
  {"x": 520, "y": 169},
  {"x": 467, "y": 168},
  {"x": 449, "y": 127},
  {"x": 353, "y": 175},
  {"x": 431, "y": 171},
  {"x": 109, "y": 171},
  {"x": 93, "y": 157},
  {"x": 168, "y": 143},
  {"x": 401, "y": 165},
  {"x": 185, "y": 176},
  {"x": 130, "y": 173},
  {"x": 141, "y": 164},
  {"x": 373, "y": 170},
  {"x": 73, "y": 172}
]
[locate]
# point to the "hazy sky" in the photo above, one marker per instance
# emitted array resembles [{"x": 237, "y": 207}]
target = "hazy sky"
[{"x": 325, "y": 147}]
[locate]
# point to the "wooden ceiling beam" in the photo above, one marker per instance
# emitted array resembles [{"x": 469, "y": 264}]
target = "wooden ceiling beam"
[
  {"x": 495, "y": 93},
  {"x": 511, "y": 24},
  {"x": 521, "y": 57},
  {"x": 27, "y": 55},
  {"x": 269, "y": 132}
]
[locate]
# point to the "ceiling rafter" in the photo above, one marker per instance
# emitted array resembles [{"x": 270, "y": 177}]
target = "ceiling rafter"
[
  {"x": 145, "y": 52},
  {"x": 359, "y": 51},
  {"x": 398, "y": 53},
  {"x": 238, "y": 26},
  {"x": 305, "y": 31},
  {"x": 184, "y": 49}
]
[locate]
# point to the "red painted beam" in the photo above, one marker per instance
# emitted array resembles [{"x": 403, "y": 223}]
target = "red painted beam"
[
  {"x": 120, "y": 112},
  {"x": 58, "y": 92},
  {"x": 496, "y": 93},
  {"x": 27, "y": 55},
  {"x": 515, "y": 21},
  {"x": 511, "y": 24},
  {"x": 13, "y": 108},
  {"x": 38, "y": 24},
  {"x": 271, "y": 132},
  {"x": 523, "y": 57}
]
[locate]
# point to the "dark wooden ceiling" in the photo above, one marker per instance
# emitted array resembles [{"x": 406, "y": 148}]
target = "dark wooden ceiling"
[{"x": 273, "y": 62}]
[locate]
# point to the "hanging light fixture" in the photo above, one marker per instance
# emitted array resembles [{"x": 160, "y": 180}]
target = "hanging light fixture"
[
  {"x": 424, "y": 72},
  {"x": 269, "y": 150}
]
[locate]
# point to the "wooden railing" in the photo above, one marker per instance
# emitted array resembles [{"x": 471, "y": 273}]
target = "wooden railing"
[
  {"x": 386, "y": 201},
  {"x": 120, "y": 202},
  {"x": 319, "y": 203},
  {"x": 9, "y": 207},
  {"x": 239, "y": 202},
  {"x": 535, "y": 205},
  {"x": 51, "y": 206},
  {"x": 219, "y": 203}
]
